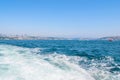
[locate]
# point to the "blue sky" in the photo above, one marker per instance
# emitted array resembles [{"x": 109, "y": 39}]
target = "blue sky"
[{"x": 62, "y": 18}]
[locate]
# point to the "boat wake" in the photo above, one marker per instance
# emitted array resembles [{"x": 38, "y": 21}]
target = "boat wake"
[{"x": 19, "y": 63}]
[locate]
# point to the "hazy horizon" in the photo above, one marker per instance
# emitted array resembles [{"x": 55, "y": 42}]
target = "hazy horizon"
[{"x": 60, "y": 18}]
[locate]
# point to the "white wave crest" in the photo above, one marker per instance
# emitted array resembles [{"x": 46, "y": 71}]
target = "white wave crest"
[{"x": 17, "y": 63}]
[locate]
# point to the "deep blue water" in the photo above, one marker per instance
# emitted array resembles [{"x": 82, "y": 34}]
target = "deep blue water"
[{"x": 100, "y": 59}]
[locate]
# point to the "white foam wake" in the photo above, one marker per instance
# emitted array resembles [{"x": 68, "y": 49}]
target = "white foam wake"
[{"x": 18, "y": 63}]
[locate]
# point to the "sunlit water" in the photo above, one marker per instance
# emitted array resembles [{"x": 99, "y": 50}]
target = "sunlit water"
[{"x": 59, "y": 60}]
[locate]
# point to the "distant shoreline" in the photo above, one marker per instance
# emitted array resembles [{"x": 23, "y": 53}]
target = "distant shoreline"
[{"x": 18, "y": 37}]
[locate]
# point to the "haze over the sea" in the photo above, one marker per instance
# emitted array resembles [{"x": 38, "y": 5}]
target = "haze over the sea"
[{"x": 61, "y": 18}]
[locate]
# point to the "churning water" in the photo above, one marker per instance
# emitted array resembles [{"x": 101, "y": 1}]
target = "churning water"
[{"x": 59, "y": 60}]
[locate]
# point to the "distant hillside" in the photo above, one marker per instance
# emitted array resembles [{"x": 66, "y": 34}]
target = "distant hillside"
[
  {"x": 111, "y": 38},
  {"x": 26, "y": 37}
]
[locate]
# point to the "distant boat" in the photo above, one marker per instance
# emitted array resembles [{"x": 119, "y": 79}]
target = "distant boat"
[{"x": 110, "y": 40}]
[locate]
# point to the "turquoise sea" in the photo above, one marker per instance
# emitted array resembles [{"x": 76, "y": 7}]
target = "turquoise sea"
[{"x": 59, "y": 60}]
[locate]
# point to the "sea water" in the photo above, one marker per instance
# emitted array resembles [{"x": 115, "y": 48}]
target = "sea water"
[{"x": 59, "y": 60}]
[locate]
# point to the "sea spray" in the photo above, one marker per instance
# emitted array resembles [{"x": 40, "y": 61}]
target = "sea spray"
[
  {"x": 18, "y": 63},
  {"x": 59, "y": 60}
]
